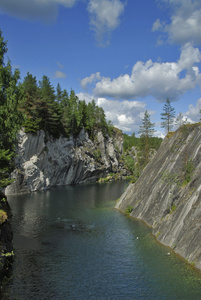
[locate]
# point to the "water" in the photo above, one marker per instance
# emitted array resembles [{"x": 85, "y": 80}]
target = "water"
[{"x": 70, "y": 243}]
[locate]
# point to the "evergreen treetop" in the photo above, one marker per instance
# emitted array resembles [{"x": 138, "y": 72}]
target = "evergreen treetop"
[{"x": 167, "y": 116}]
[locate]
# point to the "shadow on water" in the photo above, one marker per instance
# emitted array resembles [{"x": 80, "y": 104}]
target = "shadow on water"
[{"x": 70, "y": 243}]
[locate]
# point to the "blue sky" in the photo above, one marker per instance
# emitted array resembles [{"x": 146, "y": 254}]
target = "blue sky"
[{"x": 128, "y": 55}]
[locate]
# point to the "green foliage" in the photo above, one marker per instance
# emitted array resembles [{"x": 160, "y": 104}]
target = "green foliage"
[
  {"x": 97, "y": 155},
  {"x": 167, "y": 116},
  {"x": 129, "y": 210},
  {"x": 147, "y": 128},
  {"x": 130, "y": 141},
  {"x": 189, "y": 168},
  {"x": 136, "y": 166},
  {"x": 3, "y": 216},
  {"x": 8, "y": 254},
  {"x": 173, "y": 208},
  {"x": 129, "y": 163},
  {"x": 10, "y": 117},
  {"x": 58, "y": 113}
]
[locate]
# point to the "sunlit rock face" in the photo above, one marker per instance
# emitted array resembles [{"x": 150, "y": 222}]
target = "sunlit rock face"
[
  {"x": 42, "y": 161},
  {"x": 167, "y": 196}
]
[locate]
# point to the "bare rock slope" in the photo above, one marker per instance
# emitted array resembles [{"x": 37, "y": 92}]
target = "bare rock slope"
[
  {"x": 42, "y": 162},
  {"x": 167, "y": 196}
]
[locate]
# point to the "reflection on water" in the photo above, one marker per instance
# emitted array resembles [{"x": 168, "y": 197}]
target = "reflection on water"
[{"x": 71, "y": 244}]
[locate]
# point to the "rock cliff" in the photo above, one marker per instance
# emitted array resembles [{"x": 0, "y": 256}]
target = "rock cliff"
[
  {"x": 167, "y": 196},
  {"x": 42, "y": 161}
]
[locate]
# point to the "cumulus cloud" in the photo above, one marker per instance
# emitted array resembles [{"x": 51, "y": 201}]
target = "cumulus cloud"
[
  {"x": 85, "y": 96},
  {"x": 193, "y": 114},
  {"x": 125, "y": 115},
  {"x": 157, "y": 79},
  {"x": 105, "y": 17},
  {"x": 185, "y": 22},
  {"x": 44, "y": 10},
  {"x": 59, "y": 74},
  {"x": 88, "y": 80}
]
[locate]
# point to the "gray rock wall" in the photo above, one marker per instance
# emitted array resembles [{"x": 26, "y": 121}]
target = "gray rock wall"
[
  {"x": 164, "y": 200},
  {"x": 42, "y": 162}
]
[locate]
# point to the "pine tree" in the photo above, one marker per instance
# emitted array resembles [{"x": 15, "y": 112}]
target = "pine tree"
[
  {"x": 10, "y": 118},
  {"x": 167, "y": 116},
  {"x": 146, "y": 130},
  {"x": 30, "y": 103},
  {"x": 49, "y": 110},
  {"x": 59, "y": 93}
]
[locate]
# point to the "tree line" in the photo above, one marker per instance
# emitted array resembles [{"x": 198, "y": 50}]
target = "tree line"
[{"x": 57, "y": 112}]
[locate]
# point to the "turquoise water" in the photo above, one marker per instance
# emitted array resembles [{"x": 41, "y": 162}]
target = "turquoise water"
[{"x": 70, "y": 243}]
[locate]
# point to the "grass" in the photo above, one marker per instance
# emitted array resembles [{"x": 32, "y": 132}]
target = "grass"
[{"x": 3, "y": 216}]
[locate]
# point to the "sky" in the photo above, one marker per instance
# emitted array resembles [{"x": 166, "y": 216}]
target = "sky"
[{"x": 128, "y": 55}]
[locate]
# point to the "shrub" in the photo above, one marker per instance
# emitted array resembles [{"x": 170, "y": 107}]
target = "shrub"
[
  {"x": 97, "y": 155},
  {"x": 189, "y": 170},
  {"x": 129, "y": 210},
  {"x": 3, "y": 216},
  {"x": 173, "y": 208}
]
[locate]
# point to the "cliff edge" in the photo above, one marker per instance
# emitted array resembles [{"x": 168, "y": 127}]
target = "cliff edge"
[
  {"x": 167, "y": 196},
  {"x": 42, "y": 161}
]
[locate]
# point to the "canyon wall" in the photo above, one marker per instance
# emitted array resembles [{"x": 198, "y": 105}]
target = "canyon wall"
[
  {"x": 42, "y": 162},
  {"x": 167, "y": 196}
]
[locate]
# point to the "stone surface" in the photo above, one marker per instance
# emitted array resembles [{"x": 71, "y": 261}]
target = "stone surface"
[
  {"x": 42, "y": 161},
  {"x": 163, "y": 199}
]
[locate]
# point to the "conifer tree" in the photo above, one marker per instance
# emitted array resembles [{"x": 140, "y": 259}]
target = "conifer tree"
[
  {"x": 59, "y": 93},
  {"x": 49, "y": 110},
  {"x": 30, "y": 103},
  {"x": 146, "y": 130},
  {"x": 167, "y": 116},
  {"x": 10, "y": 119}
]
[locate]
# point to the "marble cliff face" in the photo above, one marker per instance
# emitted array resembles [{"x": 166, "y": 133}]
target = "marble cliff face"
[
  {"x": 43, "y": 162},
  {"x": 167, "y": 196}
]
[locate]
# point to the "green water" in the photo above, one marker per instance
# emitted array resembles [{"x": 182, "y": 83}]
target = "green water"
[{"x": 70, "y": 243}]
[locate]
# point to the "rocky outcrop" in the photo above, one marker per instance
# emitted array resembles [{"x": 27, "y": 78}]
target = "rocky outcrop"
[
  {"x": 42, "y": 161},
  {"x": 167, "y": 196}
]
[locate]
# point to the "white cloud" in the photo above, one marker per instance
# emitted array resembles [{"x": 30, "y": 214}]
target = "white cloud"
[
  {"x": 193, "y": 114},
  {"x": 125, "y": 115},
  {"x": 88, "y": 80},
  {"x": 59, "y": 74},
  {"x": 157, "y": 25},
  {"x": 185, "y": 22},
  {"x": 85, "y": 96},
  {"x": 44, "y": 10},
  {"x": 104, "y": 14},
  {"x": 105, "y": 17},
  {"x": 160, "y": 80}
]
